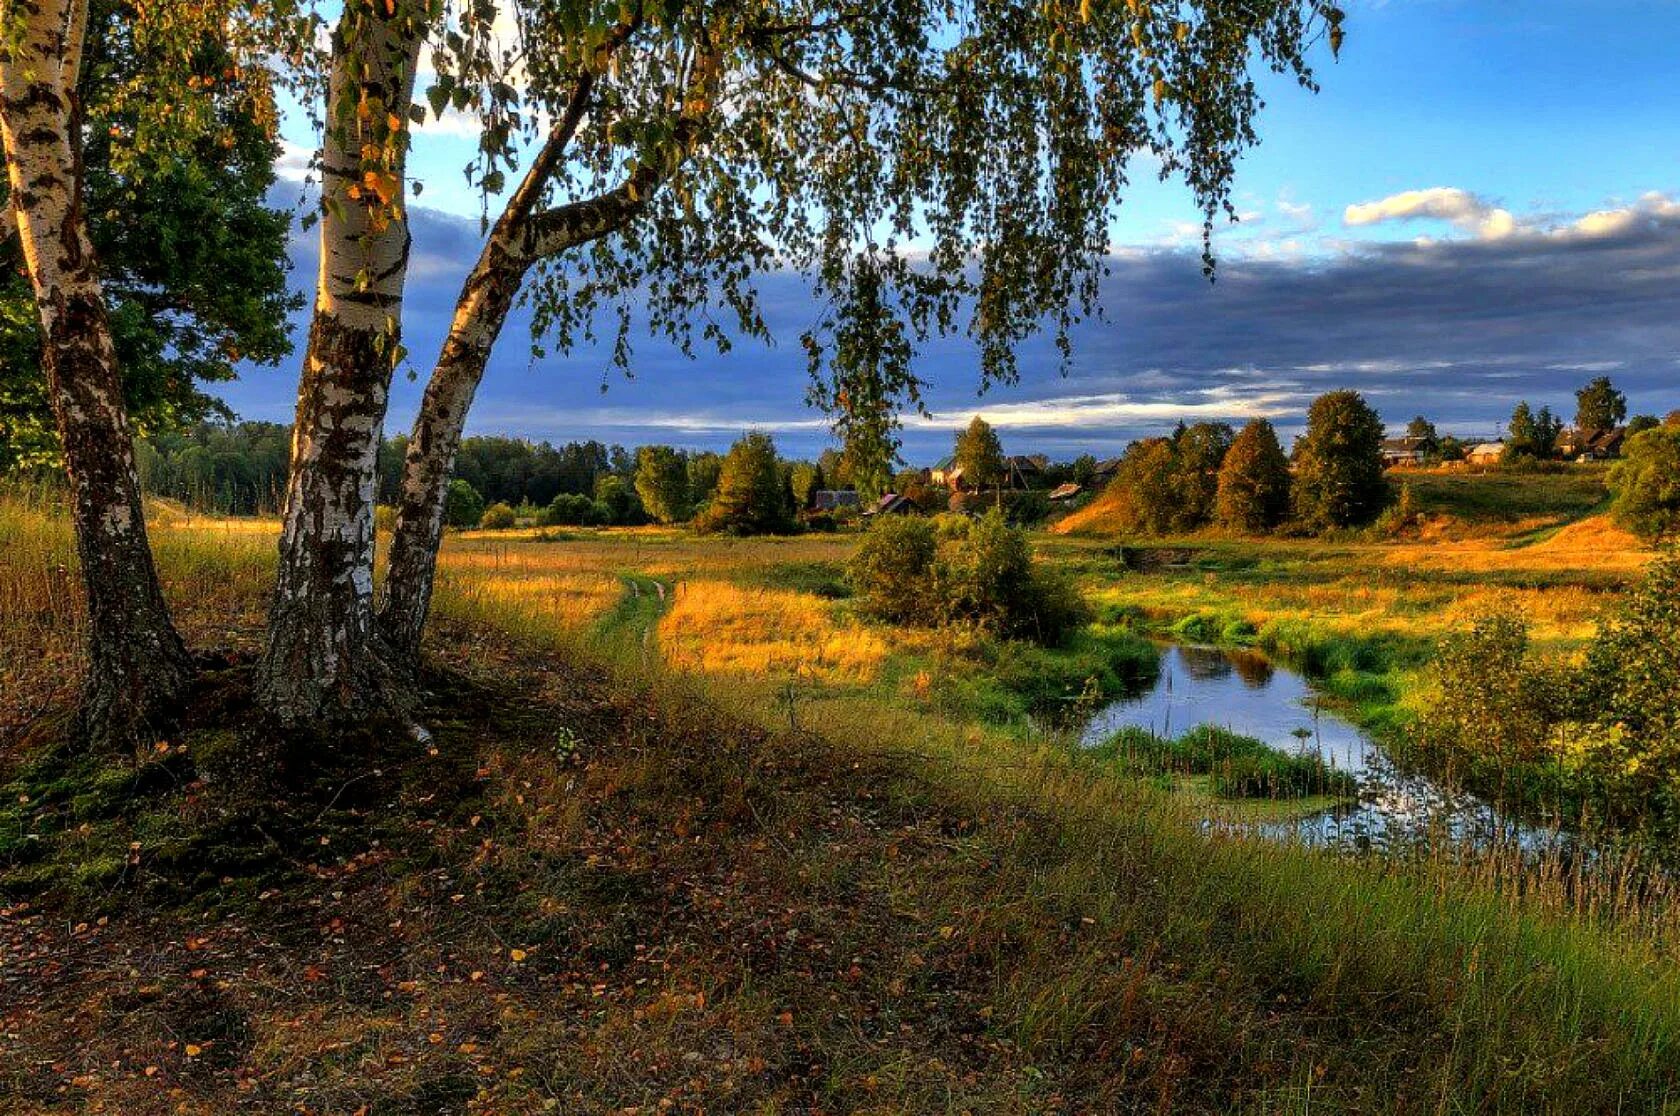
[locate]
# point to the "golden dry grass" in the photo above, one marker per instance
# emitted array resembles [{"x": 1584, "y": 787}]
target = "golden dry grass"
[{"x": 716, "y": 626}]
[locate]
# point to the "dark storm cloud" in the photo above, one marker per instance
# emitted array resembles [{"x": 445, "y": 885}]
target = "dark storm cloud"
[{"x": 1458, "y": 330}]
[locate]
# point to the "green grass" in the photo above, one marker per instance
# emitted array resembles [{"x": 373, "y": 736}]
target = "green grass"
[
  {"x": 1503, "y": 497},
  {"x": 616, "y": 885},
  {"x": 1233, "y": 765}
]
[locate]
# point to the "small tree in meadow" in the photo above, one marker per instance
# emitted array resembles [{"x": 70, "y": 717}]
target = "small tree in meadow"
[
  {"x": 979, "y": 454},
  {"x": 464, "y": 506},
  {"x": 1339, "y": 468},
  {"x": 1254, "y": 481},
  {"x": 1646, "y": 484},
  {"x": 891, "y": 570},
  {"x": 751, "y": 497},
  {"x": 662, "y": 483}
]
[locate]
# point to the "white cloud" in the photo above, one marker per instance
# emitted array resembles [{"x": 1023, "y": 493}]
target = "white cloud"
[
  {"x": 1301, "y": 216},
  {"x": 1442, "y": 203},
  {"x": 1076, "y": 411},
  {"x": 293, "y": 164}
]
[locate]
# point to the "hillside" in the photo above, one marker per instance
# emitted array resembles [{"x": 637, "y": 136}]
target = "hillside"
[
  {"x": 1459, "y": 503},
  {"x": 612, "y": 887}
]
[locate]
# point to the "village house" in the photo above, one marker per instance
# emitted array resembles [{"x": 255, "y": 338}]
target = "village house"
[
  {"x": 1591, "y": 445},
  {"x": 893, "y": 503},
  {"x": 1485, "y": 453},
  {"x": 1400, "y": 453}
]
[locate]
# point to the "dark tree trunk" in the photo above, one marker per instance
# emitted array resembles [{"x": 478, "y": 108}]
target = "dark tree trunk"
[{"x": 137, "y": 664}]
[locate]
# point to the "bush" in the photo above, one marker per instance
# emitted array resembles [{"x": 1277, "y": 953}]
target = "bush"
[
  {"x": 1497, "y": 704},
  {"x": 497, "y": 517},
  {"x": 462, "y": 505},
  {"x": 622, "y": 505},
  {"x": 956, "y": 570},
  {"x": 1631, "y": 685},
  {"x": 571, "y": 510},
  {"x": 891, "y": 568},
  {"x": 1646, "y": 483}
]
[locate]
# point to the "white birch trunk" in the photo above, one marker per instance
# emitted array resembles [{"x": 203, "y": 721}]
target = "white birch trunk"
[
  {"x": 138, "y": 666},
  {"x": 321, "y": 665}
]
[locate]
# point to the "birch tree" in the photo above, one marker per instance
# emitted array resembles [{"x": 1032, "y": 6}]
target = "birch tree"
[
  {"x": 137, "y": 663},
  {"x": 926, "y": 169},
  {"x": 319, "y": 664}
]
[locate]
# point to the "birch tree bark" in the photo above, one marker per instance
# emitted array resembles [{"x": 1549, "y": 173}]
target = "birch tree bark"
[
  {"x": 321, "y": 665},
  {"x": 522, "y": 236},
  {"x": 137, "y": 664}
]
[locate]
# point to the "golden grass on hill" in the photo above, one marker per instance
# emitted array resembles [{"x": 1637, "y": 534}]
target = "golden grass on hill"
[{"x": 716, "y": 626}]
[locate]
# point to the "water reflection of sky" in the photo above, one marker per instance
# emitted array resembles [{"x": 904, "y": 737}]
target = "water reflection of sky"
[
  {"x": 1242, "y": 691},
  {"x": 1246, "y": 693}
]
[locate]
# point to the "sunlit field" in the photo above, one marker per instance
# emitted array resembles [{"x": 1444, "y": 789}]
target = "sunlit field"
[{"x": 686, "y": 697}]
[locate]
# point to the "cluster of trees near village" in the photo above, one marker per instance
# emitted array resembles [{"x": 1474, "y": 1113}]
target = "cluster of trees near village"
[{"x": 1202, "y": 474}]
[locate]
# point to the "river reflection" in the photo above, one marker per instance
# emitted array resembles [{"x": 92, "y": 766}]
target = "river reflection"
[{"x": 1245, "y": 692}]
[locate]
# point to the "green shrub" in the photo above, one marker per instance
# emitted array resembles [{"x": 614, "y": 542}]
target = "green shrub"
[
  {"x": 1646, "y": 483},
  {"x": 892, "y": 567},
  {"x": 1630, "y": 689},
  {"x": 1497, "y": 703},
  {"x": 497, "y": 517},
  {"x": 462, "y": 505},
  {"x": 955, "y": 570},
  {"x": 569, "y": 509}
]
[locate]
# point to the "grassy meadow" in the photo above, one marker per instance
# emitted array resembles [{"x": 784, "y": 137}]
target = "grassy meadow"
[{"x": 694, "y": 836}]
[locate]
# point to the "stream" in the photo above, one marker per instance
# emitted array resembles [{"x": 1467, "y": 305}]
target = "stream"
[{"x": 1247, "y": 693}]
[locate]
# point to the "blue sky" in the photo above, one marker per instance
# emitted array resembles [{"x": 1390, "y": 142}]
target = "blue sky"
[{"x": 1481, "y": 204}]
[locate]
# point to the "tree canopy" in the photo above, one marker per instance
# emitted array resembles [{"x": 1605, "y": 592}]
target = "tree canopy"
[
  {"x": 979, "y": 454},
  {"x": 1339, "y": 470},
  {"x": 752, "y": 497},
  {"x": 1599, "y": 406},
  {"x": 193, "y": 258},
  {"x": 1533, "y": 433},
  {"x": 839, "y": 139},
  {"x": 1254, "y": 480}
]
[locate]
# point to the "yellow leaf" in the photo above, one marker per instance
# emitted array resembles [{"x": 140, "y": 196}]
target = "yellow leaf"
[
  {"x": 194, "y": 1050},
  {"x": 517, "y": 954}
]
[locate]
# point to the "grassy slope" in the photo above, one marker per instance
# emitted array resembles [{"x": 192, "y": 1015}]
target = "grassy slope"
[
  {"x": 738, "y": 904},
  {"x": 1475, "y": 502}
]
